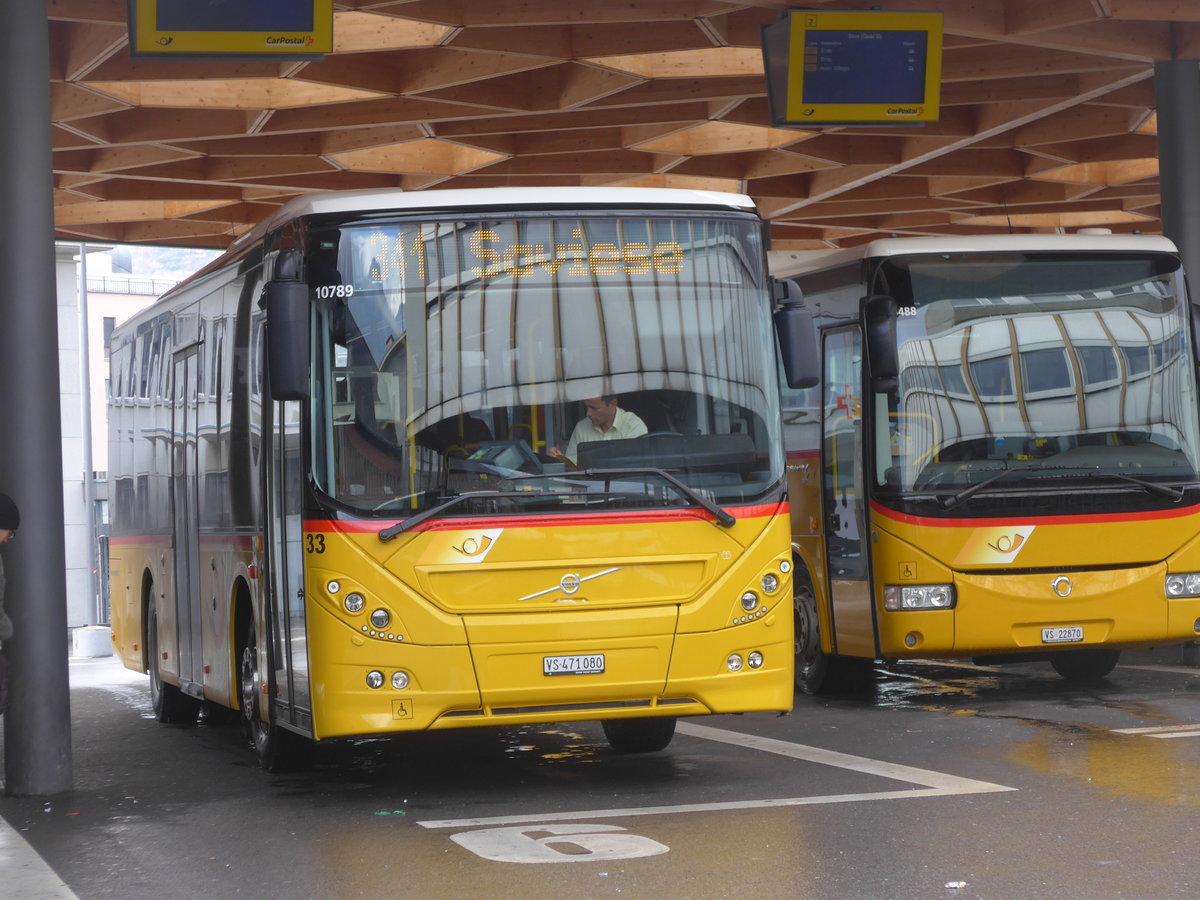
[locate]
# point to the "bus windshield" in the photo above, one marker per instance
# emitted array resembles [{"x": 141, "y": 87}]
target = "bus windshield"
[
  {"x": 535, "y": 363},
  {"x": 1033, "y": 371}
]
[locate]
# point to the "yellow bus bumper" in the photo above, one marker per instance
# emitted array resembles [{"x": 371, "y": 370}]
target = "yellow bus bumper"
[{"x": 1008, "y": 613}]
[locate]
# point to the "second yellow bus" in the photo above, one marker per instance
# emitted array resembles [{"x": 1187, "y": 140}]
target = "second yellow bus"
[{"x": 1001, "y": 461}]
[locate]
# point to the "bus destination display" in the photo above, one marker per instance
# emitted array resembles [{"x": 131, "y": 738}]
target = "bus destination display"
[
  {"x": 848, "y": 68},
  {"x": 864, "y": 67}
]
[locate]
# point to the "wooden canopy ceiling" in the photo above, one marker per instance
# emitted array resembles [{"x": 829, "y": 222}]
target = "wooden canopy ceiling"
[{"x": 1047, "y": 121}]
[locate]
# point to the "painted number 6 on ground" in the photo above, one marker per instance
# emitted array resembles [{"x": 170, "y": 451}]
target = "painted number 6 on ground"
[{"x": 557, "y": 843}]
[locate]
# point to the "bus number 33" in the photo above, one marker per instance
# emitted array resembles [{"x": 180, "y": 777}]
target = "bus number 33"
[{"x": 314, "y": 543}]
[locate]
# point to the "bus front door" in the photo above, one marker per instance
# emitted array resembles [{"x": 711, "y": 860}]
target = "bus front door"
[
  {"x": 189, "y": 628},
  {"x": 292, "y": 699},
  {"x": 843, "y": 500}
]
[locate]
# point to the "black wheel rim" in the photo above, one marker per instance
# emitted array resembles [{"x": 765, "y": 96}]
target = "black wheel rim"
[
  {"x": 808, "y": 638},
  {"x": 255, "y": 728}
]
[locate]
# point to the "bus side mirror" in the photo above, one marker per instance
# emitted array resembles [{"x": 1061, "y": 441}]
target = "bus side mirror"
[
  {"x": 879, "y": 322},
  {"x": 796, "y": 333},
  {"x": 287, "y": 307}
]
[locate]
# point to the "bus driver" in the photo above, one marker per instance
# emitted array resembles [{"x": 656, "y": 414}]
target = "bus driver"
[{"x": 605, "y": 421}]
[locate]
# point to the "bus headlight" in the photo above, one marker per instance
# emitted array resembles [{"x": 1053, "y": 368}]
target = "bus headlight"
[
  {"x": 749, "y": 601},
  {"x": 754, "y": 659},
  {"x": 734, "y": 662},
  {"x": 918, "y": 596},
  {"x": 374, "y": 680},
  {"x": 399, "y": 680},
  {"x": 1183, "y": 584},
  {"x": 770, "y": 583},
  {"x": 380, "y": 618},
  {"x": 355, "y": 602}
]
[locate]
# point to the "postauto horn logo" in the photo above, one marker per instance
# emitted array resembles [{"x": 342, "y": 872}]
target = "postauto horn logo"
[{"x": 991, "y": 546}]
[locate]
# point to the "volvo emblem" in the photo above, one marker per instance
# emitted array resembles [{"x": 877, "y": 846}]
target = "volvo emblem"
[
  {"x": 1061, "y": 586},
  {"x": 570, "y": 583}
]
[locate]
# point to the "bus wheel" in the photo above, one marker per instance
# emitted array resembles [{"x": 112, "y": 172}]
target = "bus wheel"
[
  {"x": 639, "y": 735},
  {"x": 171, "y": 705},
  {"x": 812, "y": 663},
  {"x": 1084, "y": 666},
  {"x": 275, "y": 748}
]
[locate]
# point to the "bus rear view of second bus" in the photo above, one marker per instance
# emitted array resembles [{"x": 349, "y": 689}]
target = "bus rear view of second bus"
[{"x": 1001, "y": 461}]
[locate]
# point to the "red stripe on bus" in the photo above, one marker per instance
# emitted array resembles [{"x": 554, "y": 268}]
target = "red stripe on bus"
[
  {"x": 615, "y": 518},
  {"x": 1002, "y": 521}
]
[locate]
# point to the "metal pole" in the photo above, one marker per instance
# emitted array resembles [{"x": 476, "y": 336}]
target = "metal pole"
[
  {"x": 37, "y": 725},
  {"x": 1177, "y": 96},
  {"x": 85, "y": 391}
]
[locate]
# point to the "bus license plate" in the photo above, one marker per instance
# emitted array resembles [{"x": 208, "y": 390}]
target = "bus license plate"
[
  {"x": 1068, "y": 634},
  {"x": 584, "y": 664}
]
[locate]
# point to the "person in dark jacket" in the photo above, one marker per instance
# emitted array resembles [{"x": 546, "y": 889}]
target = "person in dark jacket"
[{"x": 10, "y": 518}]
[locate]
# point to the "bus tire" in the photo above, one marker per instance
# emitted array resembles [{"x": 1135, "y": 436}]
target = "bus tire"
[
  {"x": 275, "y": 749},
  {"x": 171, "y": 705},
  {"x": 639, "y": 735},
  {"x": 1085, "y": 666},
  {"x": 812, "y": 663}
]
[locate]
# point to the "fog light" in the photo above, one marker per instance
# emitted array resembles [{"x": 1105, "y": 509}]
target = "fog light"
[
  {"x": 399, "y": 680},
  {"x": 380, "y": 618},
  {"x": 754, "y": 659},
  {"x": 918, "y": 596},
  {"x": 734, "y": 662},
  {"x": 770, "y": 583},
  {"x": 749, "y": 600},
  {"x": 333, "y": 587},
  {"x": 355, "y": 602},
  {"x": 374, "y": 680},
  {"x": 911, "y": 639}
]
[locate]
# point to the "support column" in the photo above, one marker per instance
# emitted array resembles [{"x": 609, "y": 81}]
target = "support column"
[
  {"x": 1177, "y": 96},
  {"x": 37, "y": 725}
]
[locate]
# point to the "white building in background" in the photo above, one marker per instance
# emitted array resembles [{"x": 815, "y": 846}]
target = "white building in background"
[{"x": 83, "y": 334}]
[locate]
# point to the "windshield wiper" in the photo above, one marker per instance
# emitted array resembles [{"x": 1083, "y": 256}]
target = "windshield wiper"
[
  {"x": 425, "y": 515},
  {"x": 1154, "y": 487},
  {"x": 413, "y": 521},
  {"x": 722, "y": 516},
  {"x": 955, "y": 499}
]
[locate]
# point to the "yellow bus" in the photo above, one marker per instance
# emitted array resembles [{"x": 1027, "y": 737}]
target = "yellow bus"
[
  {"x": 1001, "y": 460},
  {"x": 405, "y": 461}
]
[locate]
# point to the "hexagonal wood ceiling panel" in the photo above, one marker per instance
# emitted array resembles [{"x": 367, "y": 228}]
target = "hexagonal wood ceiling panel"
[{"x": 1047, "y": 123}]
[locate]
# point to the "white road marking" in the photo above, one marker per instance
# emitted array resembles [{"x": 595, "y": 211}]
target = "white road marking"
[
  {"x": 26, "y": 874},
  {"x": 1162, "y": 731},
  {"x": 925, "y": 777},
  {"x": 1174, "y": 670},
  {"x": 935, "y": 784}
]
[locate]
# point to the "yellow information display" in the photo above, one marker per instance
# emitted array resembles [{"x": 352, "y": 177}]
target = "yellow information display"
[
  {"x": 845, "y": 68},
  {"x": 230, "y": 28}
]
